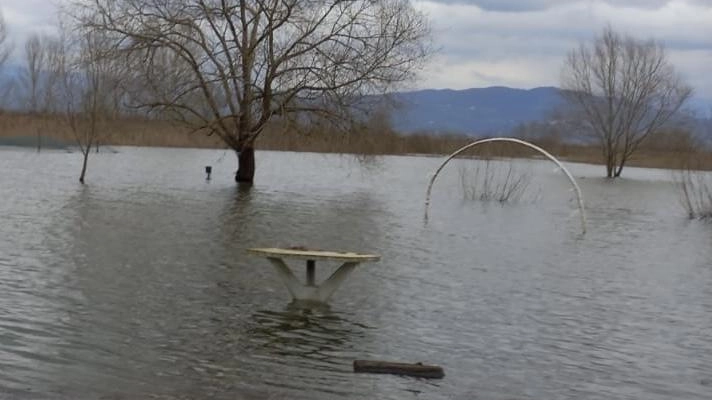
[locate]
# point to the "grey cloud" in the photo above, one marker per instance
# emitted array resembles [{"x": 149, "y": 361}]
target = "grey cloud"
[
  {"x": 538, "y": 5},
  {"x": 508, "y": 5}
]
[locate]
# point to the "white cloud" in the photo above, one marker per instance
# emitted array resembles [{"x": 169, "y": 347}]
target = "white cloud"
[
  {"x": 695, "y": 67},
  {"x": 524, "y": 72},
  {"x": 26, "y": 17}
]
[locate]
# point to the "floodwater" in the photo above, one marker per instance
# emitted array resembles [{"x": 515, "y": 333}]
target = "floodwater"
[{"x": 138, "y": 286}]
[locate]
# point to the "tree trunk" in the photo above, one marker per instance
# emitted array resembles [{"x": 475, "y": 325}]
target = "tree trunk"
[
  {"x": 619, "y": 169},
  {"x": 610, "y": 168},
  {"x": 84, "y": 164},
  {"x": 246, "y": 165},
  {"x": 610, "y": 159}
]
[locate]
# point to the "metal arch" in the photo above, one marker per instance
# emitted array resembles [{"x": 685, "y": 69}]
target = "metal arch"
[{"x": 579, "y": 196}]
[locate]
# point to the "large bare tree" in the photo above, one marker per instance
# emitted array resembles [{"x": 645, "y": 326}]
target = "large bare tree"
[
  {"x": 230, "y": 67},
  {"x": 624, "y": 90}
]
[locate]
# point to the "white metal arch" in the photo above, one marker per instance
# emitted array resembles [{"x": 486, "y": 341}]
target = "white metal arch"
[{"x": 579, "y": 196}]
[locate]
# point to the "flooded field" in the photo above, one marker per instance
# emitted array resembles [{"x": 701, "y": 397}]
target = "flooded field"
[{"x": 138, "y": 284}]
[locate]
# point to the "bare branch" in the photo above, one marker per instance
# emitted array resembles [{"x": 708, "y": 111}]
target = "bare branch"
[{"x": 5, "y": 44}]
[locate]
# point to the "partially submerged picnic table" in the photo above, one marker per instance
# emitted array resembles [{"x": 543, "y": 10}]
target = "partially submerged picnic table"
[{"x": 310, "y": 290}]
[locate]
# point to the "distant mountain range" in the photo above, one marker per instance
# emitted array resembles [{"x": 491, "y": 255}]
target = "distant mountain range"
[
  {"x": 480, "y": 111},
  {"x": 487, "y": 111}
]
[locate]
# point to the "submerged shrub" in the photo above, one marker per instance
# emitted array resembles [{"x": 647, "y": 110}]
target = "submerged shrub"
[
  {"x": 490, "y": 182},
  {"x": 695, "y": 193}
]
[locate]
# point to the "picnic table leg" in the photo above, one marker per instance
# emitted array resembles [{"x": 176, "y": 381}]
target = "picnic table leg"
[
  {"x": 311, "y": 272},
  {"x": 293, "y": 285},
  {"x": 329, "y": 286}
]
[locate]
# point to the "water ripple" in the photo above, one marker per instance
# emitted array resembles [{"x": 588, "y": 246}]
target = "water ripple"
[{"x": 138, "y": 285}]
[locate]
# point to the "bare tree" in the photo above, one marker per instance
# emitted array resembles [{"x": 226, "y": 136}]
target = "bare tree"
[
  {"x": 34, "y": 57},
  {"x": 5, "y": 45},
  {"x": 6, "y": 48},
  {"x": 82, "y": 86},
  {"x": 91, "y": 86},
  {"x": 43, "y": 54},
  {"x": 624, "y": 90},
  {"x": 35, "y": 62},
  {"x": 229, "y": 67}
]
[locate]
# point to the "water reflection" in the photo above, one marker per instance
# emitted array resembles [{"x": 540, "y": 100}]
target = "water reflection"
[
  {"x": 155, "y": 289},
  {"x": 305, "y": 333}
]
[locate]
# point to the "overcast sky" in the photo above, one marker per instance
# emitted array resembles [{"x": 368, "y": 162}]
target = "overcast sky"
[{"x": 517, "y": 43}]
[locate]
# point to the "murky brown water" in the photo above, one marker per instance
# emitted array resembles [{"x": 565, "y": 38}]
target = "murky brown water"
[{"x": 138, "y": 286}]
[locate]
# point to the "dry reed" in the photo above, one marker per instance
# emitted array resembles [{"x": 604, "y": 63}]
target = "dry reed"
[
  {"x": 695, "y": 190},
  {"x": 364, "y": 141}
]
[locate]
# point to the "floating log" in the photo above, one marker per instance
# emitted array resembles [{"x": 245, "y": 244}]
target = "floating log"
[{"x": 384, "y": 367}]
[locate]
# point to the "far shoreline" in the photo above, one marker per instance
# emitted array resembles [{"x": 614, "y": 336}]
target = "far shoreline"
[
  {"x": 29, "y": 131},
  {"x": 660, "y": 160}
]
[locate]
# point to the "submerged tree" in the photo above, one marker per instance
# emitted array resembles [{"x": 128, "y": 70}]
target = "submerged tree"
[
  {"x": 91, "y": 84},
  {"x": 33, "y": 79},
  {"x": 624, "y": 90},
  {"x": 229, "y": 67},
  {"x": 83, "y": 86}
]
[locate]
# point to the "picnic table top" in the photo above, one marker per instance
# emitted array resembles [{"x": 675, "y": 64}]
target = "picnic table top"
[{"x": 308, "y": 254}]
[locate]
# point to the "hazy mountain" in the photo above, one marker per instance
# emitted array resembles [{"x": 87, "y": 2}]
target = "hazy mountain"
[
  {"x": 486, "y": 111},
  {"x": 477, "y": 111},
  {"x": 472, "y": 111}
]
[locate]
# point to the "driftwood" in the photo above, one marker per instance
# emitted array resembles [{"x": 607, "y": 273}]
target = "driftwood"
[{"x": 384, "y": 367}]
